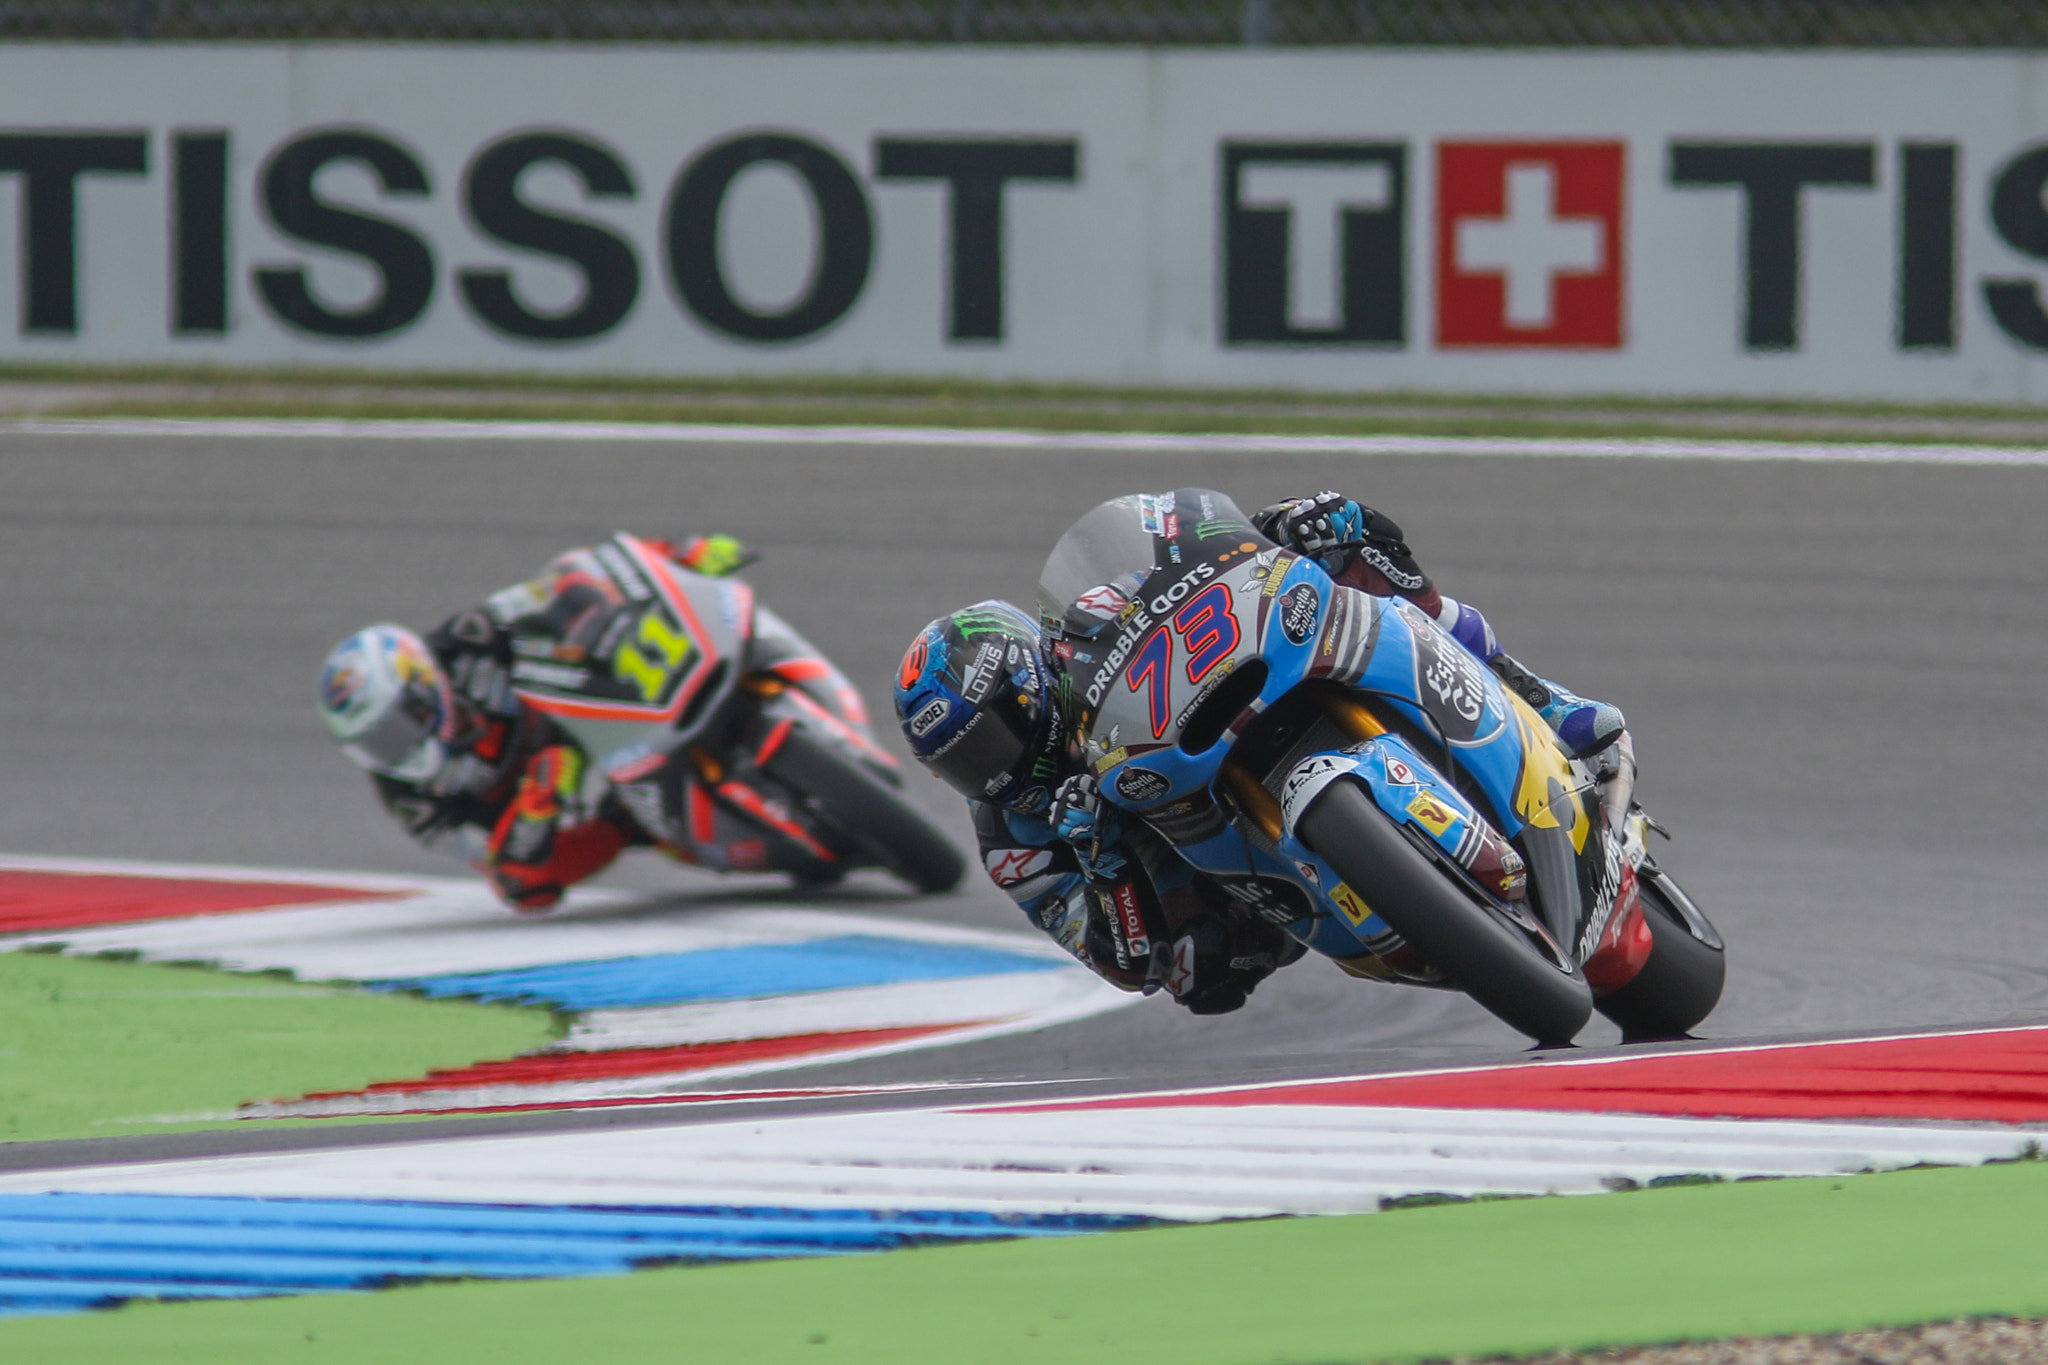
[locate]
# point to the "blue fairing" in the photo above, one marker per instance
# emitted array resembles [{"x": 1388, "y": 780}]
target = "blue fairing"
[{"x": 1403, "y": 657}]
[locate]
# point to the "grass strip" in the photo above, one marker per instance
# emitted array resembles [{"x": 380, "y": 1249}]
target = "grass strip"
[
  {"x": 91, "y": 1047},
  {"x": 1761, "y": 1258},
  {"x": 293, "y": 392}
]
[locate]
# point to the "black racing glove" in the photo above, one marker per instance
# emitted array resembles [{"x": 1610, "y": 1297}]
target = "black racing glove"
[
  {"x": 1331, "y": 528},
  {"x": 1217, "y": 964}
]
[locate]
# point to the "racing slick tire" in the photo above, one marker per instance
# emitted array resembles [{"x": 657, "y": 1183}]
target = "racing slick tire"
[
  {"x": 869, "y": 811},
  {"x": 1681, "y": 982},
  {"x": 1480, "y": 949}
]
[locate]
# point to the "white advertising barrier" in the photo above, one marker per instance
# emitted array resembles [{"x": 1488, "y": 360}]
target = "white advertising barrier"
[{"x": 1824, "y": 225}]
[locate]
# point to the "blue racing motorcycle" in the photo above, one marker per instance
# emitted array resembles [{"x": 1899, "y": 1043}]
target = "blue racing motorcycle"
[{"x": 1342, "y": 767}]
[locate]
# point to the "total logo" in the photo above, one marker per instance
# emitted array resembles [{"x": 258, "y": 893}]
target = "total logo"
[{"x": 1529, "y": 243}]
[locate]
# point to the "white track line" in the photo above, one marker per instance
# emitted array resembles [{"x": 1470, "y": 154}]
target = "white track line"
[
  {"x": 1184, "y": 1164},
  {"x": 1650, "y": 448}
]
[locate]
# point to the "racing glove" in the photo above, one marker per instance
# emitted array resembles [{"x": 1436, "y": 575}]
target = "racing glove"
[
  {"x": 538, "y": 848},
  {"x": 1089, "y": 825},
  {"x": 1331, "y": 529},
  {"x": 1215, "y": 964},
  {"x": 714, "y": 556}
]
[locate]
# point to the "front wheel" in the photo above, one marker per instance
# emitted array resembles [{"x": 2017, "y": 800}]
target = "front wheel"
[
  {"x": 1483, "y": 953},
  {"x": 1681, "y": 983},
  {"x": 869, "y": 812}
]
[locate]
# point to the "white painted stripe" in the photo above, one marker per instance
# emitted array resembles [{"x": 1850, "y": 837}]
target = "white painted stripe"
[
  {"x": 1169, "y": 1163},
  {"x": 1044, "y": 995},
  {"x": 459, "y": 926},
  {"x": 897, "y": 438},
  {"x": 993, "y": 1006},
  {"x": 446, "y": 926}
]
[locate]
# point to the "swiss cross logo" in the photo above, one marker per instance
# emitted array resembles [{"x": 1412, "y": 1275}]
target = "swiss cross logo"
[{"x": 1529, "y": 248}]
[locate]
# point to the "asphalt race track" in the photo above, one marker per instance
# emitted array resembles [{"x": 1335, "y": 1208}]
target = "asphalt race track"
[{"x": 1832, "y": 670}]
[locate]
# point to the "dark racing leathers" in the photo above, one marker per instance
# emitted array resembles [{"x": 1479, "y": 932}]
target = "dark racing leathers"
[
  {"x": 509, "y": 799},
  {"x": 1154, "y": 921},
  {"x": 1151, "y": 922}
]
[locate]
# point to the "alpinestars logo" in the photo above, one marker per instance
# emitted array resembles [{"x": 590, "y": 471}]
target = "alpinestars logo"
[
  {"x": 1008, "y": 867},
  {"x": 1395, "y": 574},
  {"x": 1529, "y": 244}
]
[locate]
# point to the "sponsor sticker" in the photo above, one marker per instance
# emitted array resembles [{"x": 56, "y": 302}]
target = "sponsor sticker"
[
  {"x": 1140, "y": 785},
  {"x": 1009, "y": 866},
  {"x": 633, "y": 761},
  {"x": 1132, "y": 918},
  {"x": 1308, "y": 779},
  {"x": 1355, "y": 909},
  {"x": 1399, "y": 773},
  {"x": 550, "y": 675},
  {"x": 1449, "y": 682},
  {"x": 1299, "y": 608},
  {"x": 623, "y": 571},
  {"x": 1432, "y": 814},
  {"x": 930, "y": 716},
  {"x": 1111, "y": 759}
]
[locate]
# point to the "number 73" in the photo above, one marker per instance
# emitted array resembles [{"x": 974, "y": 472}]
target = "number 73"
[{"x": 1207, "y": 627}]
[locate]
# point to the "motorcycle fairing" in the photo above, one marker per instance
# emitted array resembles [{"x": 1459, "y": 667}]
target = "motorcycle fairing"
[
  {"x": 1181, "y": 612},
  {"x": 655, "y": 649}
]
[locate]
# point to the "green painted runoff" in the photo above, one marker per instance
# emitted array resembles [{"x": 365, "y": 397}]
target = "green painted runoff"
[
  {"x": 1757, "y": 1258},
  {"x": 93, "y": 1048}
]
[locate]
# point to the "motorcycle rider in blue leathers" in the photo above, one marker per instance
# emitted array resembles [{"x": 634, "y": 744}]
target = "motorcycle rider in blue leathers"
[{"x": 985, "y": 708}]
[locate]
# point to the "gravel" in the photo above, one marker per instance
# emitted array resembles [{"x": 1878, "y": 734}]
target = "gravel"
[{"x": 1967, "y": 1341}]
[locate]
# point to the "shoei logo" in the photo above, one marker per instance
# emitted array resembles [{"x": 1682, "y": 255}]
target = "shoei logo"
[
  {"x": 929, "y": 717},
  {"x": 1529, "y": 244}
]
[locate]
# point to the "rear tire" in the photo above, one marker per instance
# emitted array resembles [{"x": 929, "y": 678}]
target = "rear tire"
[
  {"x": 1680, "y": 984},
  {"x": 869, "y": 812},
  {"x": 1483, "y": 953}
]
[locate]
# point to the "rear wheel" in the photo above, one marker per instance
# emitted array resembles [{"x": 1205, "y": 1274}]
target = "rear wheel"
[
  {"x": 1681, "y": 983},
  {"x": 868, "y": 811},
  {"x": 1485, "y": 953}
]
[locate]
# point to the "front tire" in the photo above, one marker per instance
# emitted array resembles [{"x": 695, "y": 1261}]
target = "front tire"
[
  {"x": 1483, "y": 953},
  {"x": 1681, "y": 983},
  {"x": 869, "y": 812}
]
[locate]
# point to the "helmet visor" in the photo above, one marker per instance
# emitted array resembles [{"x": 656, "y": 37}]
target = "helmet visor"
[
  {"x": 401, "y": 744},
  {"x": 981, "y": 761}
]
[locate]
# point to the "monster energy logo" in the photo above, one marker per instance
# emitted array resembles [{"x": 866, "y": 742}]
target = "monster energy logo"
[
  {"x": 989, "y": 621},
  {"x": 1209, "y": 530}
]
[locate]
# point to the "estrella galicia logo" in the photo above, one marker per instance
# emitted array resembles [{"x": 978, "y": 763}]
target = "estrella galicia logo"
[
  {"x": 1140, "y": 784},
  {"x": 1299, "y": 608},
  {"x": 1449, "y": 682}
]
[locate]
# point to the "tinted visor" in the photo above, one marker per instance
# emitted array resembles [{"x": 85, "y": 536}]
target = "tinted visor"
[
  {"x": 403, "y": 743},
  {"x": 980, "y": 762}
]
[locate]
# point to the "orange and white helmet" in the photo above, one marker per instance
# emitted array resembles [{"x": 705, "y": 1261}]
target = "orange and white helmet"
[{"x": 387, "y": 702}]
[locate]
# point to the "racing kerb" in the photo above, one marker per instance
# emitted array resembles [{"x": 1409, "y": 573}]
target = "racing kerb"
[{"x": 1761, "y": 660}]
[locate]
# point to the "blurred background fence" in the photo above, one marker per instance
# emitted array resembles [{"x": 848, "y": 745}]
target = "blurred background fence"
[{"x": 1503, "y": 23}]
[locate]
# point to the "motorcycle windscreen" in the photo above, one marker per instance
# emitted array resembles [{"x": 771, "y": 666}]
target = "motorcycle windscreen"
[{"x": 1103, "y": 560}]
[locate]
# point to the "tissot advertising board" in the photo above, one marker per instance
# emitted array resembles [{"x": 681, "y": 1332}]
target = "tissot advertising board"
[{"x": 1834, "y": 225}]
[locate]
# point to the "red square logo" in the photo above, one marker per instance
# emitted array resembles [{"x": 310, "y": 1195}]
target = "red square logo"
[{"x": 1529, "y": 247}]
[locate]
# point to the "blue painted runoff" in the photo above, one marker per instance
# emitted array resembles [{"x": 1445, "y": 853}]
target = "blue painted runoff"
[
  {"x": 764, "y": 969},
  {"x": 62, "y": 1253}
]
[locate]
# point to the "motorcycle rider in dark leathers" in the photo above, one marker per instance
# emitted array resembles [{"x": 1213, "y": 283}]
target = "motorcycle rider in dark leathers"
[
  {"x": 986, "y": 708},
  {"x": 461, "y": 762}
]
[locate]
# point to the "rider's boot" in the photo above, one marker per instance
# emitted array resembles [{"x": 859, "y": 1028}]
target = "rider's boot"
[{"x": 1584, "y": 727}]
